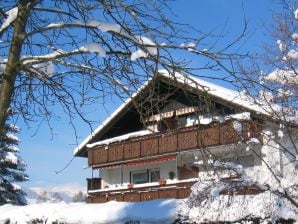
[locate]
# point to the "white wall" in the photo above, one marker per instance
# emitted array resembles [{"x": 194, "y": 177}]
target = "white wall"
[{"x": 113, "y": 176}]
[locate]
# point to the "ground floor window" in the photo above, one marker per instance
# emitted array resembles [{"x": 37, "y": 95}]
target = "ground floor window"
[
  {"x": 139, "y": 177},
  {"x": 154, "y": 175},
  {"x": 145, "y": 176}
]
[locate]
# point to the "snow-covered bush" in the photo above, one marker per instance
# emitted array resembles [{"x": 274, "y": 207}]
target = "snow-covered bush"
[{"x": 237, "y": 199}]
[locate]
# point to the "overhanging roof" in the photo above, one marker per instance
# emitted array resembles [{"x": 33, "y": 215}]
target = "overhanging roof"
[{"x": 220, "y": 93}]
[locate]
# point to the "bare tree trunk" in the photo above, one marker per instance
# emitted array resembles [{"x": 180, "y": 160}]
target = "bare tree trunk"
[{"x": 12, "y": 66}]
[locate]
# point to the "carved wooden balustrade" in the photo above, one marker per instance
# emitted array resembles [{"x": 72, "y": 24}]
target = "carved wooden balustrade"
[
  {"x": 171, "y": 142},
  {"x": 177, "y": 190},
  {"x": 137, "y": 194}
]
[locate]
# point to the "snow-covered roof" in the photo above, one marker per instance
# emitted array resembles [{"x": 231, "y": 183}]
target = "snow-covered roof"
[
  {"x": 219, "y": 92},
  {"x": 83, "y": 144},
  {"x": 120, "y": 138}
]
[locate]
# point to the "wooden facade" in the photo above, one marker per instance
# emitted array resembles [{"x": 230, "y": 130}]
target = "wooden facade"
[
  {"x": 175, "y": 116},
  {"x": 159, "y": 145},
  {"x": 178, "y": 190},
  {"x": 171, "y": 142},
  {"x": 137, "y": 194}
]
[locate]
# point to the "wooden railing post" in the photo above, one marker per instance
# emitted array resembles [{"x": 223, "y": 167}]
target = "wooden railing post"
[
  {"x": 219, "y": 134},
  {"x": 158, "y": 145},
  {"x": 108, "y": 156},
  {"x": 177, "y": 141},
  {"x": 92, "y": 156}
]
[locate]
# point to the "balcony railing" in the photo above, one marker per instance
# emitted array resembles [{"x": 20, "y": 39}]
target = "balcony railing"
[
  {"x": 178, "y": 140},
  {"x": 177, "y": 190},
  {"x": 136, "y": 194}
]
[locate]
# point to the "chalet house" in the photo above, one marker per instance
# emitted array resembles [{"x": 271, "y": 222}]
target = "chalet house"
[{"x": 167, "y": 135}]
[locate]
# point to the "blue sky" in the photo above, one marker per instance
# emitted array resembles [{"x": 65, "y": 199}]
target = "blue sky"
[{"x": 47, "y": 151}]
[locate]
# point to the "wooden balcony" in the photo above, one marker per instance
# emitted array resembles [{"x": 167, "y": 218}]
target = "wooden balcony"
[
  {"x": 170, "y": 142},
  {"x": 137, "y": 194},
  {"x": 177, "y": 190}
]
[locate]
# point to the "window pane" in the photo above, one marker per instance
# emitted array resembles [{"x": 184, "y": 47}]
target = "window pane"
[
  {"x": 139, "y": 178},
  {"x": 155, "y": 175}
]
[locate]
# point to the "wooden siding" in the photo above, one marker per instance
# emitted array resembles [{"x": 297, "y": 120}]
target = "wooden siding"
[
  {"x": 209, "y": 137},
  {"x": 115, "y": 152},
  {"x": 187, "y": 140},
  {"x": 98, "y": 155},
  {"x": 168, "y": 193},
  {"x": 149, "y": 147},
  {"x": 183, "y": 193},
  {"x": 116, "y": 197},
  {"x": 149, "y": 195},
  {"x": 132, "y": 197},
  {"x": 178, "y": 140},
  {"x": 167, "y": 144},
  {"x": 228, "y": 135},
  {"x": 178, "y": 190},
  {"x": 132, "y": 150}
]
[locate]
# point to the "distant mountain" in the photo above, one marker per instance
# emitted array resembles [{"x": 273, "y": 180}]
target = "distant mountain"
[{"x": 52, "y": 194}]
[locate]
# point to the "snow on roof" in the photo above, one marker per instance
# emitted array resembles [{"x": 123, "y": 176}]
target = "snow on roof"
[
  {"x": 257, "y": 105},
  {"x": 216, "y": 91},
  {"x": 113, "y": 115},
  {"x": 120, "y": 138},
  {"x": 212, "y": 89}
]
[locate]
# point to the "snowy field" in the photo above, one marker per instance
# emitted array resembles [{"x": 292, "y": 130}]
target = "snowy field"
[
  {"x": 265, "y": 207},
  {"x": 156, "y": 211}
]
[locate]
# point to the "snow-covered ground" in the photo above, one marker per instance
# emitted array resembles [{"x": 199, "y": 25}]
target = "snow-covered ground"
[
  {"x": 156, "y": 211},
  {"x": 266, "y": 207}
]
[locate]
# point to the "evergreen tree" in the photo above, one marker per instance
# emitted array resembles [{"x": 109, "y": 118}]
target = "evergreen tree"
[{"x": 12, "y": 168}]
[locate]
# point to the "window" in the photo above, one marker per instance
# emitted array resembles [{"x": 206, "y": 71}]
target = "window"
[
  {"x": 139, "y": 177},
  {"x": 144, "y": 176},
  {"x": 154, "y": 175}
]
